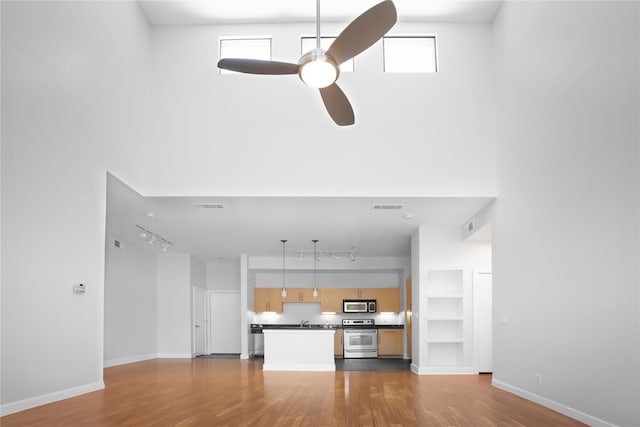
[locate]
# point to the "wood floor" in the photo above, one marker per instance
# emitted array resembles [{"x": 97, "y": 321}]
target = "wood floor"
[{"x": 232, "y": 392}]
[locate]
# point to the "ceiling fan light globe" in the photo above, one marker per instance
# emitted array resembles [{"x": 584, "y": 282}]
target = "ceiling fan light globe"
[{"x": 317, "y": 69}]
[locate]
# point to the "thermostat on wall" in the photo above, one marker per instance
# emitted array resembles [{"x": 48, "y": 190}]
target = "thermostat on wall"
[{"x": 79, "y": 288}]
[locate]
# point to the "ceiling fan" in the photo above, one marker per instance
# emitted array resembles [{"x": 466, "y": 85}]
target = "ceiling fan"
[{"x": 319, "y": 68}]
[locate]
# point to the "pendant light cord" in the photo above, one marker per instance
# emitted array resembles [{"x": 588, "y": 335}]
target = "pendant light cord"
[
  {"x": 315, "y": 269},
  {"x": 283, "y": 292},
  {"x": 317, "y": 24}
]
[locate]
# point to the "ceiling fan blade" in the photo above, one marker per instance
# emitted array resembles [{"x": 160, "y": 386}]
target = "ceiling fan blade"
[
  {"x": 364, "y": 31},
  {"x": 257, "y": 66},
  {"x": 337, "y": 105}
]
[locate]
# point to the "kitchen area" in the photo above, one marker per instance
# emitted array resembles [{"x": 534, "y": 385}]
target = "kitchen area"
[{"x": 362, "y": 324}]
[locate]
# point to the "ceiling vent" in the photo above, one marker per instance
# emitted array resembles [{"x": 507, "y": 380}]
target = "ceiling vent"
[
  {"x": 209, "y": 205},
  {"x": 387, "y": 207}
]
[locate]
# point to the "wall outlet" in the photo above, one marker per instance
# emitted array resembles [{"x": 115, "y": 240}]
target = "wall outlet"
[{"x": 538, "y": 378}]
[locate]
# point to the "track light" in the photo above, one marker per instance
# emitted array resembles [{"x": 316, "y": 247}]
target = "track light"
[
  {"x": 153, "y": 238},
  {"x": 336, "y": 254}
]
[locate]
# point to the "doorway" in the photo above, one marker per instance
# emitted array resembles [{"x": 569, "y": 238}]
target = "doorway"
[
  {"x": 224, "y": 324},
  {"x": 199, "y": 321},
  {"x": 482, "y": 301}
]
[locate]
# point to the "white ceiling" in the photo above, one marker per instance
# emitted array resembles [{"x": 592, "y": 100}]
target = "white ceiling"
[
  {"x": 255, "y": 225},
  {"x": 186, "y": 12}
]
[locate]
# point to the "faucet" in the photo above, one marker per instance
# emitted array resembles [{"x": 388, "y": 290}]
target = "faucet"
[{"x": 303, "y": 323}]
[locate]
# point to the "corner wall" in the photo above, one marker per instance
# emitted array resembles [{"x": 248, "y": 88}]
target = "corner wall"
[
  {"x": 567, "y": 218},
  {"x": 74, "y": 98}
]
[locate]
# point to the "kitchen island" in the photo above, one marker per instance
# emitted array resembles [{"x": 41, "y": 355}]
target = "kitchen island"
[{"x": 298, "y": 349}]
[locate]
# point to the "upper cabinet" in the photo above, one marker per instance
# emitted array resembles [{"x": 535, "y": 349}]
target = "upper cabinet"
[
  {"x": 300, "y": 295},
  {"x": 330, "y": 299},
  {"x": 359, "y": 293},
  {"x": 388, "y": 299},
  {"x": 267, "y": 299}
]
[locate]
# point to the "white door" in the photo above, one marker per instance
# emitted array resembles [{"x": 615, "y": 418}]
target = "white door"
[
  {"x": 224, "y": 325},
  {"x": 199, "y": 321},
  {"x": 482, "y": 298}
]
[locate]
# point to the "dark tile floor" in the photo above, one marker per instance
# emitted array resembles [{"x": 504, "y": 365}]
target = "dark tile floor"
[
  {"x": 344, "y": 364},
  {"x": 372, "y": 365}
]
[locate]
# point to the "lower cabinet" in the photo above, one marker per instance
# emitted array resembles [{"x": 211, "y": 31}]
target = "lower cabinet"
[
  {"x": 390, "y": 342},
  {"x": 338, "y": 345}
]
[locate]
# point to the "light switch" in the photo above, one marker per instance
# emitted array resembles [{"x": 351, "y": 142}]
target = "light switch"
[{"x": 503, "y": 319}]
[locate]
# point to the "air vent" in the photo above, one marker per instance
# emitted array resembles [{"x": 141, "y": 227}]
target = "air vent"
[
  {"x": 209, "y": 205},
  {"x": 387, "y": 207}
]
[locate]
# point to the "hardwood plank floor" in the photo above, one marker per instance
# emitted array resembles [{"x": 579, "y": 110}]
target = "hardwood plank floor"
[{"x": 231, "y": 392}]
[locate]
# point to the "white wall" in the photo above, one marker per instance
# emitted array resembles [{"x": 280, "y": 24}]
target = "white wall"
[
  {"x": 333, "y": 279},
  {"x": 566, "y": 219},
  {"x": 198, "y": 272},
  {"x": 74, "y": 96},
  {"x": 130, "y": 303},
  {"x": 423, "y": 134},
  {"x": 223, "y": 276},
  {"x": 174, "y": 305}
]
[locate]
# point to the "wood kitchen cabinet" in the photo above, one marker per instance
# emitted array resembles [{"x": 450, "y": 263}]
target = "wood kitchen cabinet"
[
  {"x": 331, "y": 300},
  {"x": 361, "y": 293},
  {"x": 388, "y": 299},
  {"x": 338, "y": 343},
  {"x": 267, "y": 299},
  {"x": 300, "y": 295},
  {"x": 390, "y": 342}
]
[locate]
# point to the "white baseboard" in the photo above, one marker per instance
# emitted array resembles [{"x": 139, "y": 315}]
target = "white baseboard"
[
  {"x": 443, "y": 371},
  {"x": 548, "y": 403},
  {"x": 174, "y": 356},
  {"x": 131, "y": 359},
  {"x": 32, "y": 402},
  {"x": 244, "y": 356}
]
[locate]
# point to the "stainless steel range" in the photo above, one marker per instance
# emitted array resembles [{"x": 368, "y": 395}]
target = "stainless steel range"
[{"x": 360, "y": 338}]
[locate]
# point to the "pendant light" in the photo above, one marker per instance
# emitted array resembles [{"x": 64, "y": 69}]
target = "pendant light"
[
  {"x": 315, "y": 269},
  {"x": 283, "y": 292}
]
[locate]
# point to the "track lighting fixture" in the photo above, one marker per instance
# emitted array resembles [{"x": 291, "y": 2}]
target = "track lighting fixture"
[
  {"x": 335, "y": 254},
  {"x": 153, "y": 238}
]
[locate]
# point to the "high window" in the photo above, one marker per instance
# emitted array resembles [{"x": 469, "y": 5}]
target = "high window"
[
  {"x": 309, "y": 43},
  {"x": 410, "y": 54},
  {"x": 250, "y": 48}
]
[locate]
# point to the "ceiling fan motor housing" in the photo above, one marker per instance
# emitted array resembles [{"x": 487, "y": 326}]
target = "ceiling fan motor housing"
[{"x": 318, "y": 69}]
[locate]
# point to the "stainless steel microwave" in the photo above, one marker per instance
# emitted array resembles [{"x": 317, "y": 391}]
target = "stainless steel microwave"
[{"x": 359, "y": 306}]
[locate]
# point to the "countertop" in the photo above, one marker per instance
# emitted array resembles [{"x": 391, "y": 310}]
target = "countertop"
[{"x": 257, "y": 328}]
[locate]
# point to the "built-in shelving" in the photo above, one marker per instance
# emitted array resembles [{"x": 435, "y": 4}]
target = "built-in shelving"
[{"x": 448, "y": 315}]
